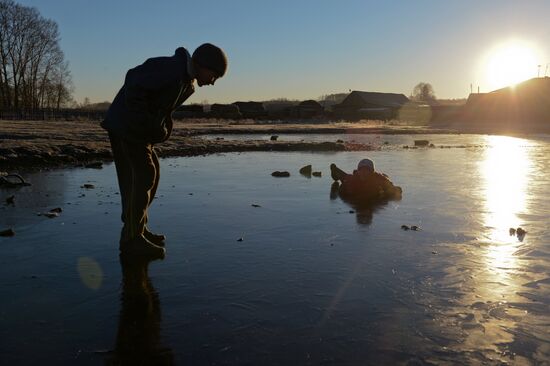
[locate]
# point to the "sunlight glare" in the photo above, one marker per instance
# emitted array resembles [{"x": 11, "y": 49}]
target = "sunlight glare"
[
  {"x": 510, "y": 63},
  {"x": 504, "y": 172},
  {"x": 505, "y": 184}
]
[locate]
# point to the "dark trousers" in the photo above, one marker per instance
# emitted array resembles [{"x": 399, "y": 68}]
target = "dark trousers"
[{"x": 138, "y": 172}]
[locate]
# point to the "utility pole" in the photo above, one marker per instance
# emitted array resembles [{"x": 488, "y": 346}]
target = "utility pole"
[
  {"x": 538, "y": 70},
  {"x": 545, "y": 71},
  {"x": 471, "y": 90}
]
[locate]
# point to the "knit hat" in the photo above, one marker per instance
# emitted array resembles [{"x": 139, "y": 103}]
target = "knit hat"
[
  {"x": 366, "y": 163},
  {"x": 211, "y": 57}
]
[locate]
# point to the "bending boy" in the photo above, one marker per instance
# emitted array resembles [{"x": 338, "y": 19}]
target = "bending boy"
[{"x": 138, "y": 118}]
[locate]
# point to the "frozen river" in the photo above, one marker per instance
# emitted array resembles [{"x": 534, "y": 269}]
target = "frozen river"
[{"x": 313, "y": 281}]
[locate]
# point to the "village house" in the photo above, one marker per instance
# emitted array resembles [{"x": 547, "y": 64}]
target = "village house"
[
  {"x": 371, "y": 105},
  {"x": 251, "y": 109},
  {"x": 523, "y": 106},
  {"x": 307, "y": 109},
  {"x": 230, "y": 111},
  {"x": 189, "y": 111}
]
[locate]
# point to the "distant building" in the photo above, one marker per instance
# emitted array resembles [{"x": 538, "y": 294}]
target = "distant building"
[
  {"x": 251, "y": 109},
  {"x": 189, "y": 111},
  {"x": 523, "y": 106},
  {"x": 230, "y": 111},
  {"x": 307, "y": 109},
  {"x": 360, "y": 104},
  {"x": 279, "y": 108}
]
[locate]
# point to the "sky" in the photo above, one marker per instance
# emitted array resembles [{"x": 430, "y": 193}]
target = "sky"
[{"x": 300, "y": 49}]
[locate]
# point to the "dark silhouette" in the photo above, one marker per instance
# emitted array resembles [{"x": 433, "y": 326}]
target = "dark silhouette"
[
  {"x": 365, "y": 190},
  {"x": 524, "y": 107},
  {"x": 138, "y": 340},
  {"x": 365, "y": 184},
  {"x": 139, "y": 117}
]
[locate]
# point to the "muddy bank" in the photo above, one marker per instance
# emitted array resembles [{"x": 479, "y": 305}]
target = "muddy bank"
[
  {"x": 368, "y": 127},
  {"x": 43, "y": 144}
]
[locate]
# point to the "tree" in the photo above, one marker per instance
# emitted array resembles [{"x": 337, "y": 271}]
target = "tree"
[
  {"x": 423, "y": 92},
  {"x": 332, "y": 99},
  {"x": 33, "y": 73}
]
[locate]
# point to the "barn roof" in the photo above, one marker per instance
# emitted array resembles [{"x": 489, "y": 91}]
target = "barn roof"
[
  {"x": 250, "y": 106},
  {"x": 381, "y": 99},
  {"x": 310, "y": 103}
]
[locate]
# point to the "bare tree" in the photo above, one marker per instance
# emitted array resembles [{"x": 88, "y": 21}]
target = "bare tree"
[
  {"x": 33, "y": 73},
  {"x": 424, "y": 92}
]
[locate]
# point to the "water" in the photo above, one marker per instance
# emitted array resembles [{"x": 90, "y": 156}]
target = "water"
[{"x": 311, "y": 283}]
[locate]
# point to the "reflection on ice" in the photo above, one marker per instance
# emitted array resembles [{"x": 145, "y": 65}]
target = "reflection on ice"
[{"x": 504, "y": 171}]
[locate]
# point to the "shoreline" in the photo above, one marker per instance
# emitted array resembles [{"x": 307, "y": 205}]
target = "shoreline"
[{"x": 35, "y": 145}]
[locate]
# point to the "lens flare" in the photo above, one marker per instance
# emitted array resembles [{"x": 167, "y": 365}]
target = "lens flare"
[{"x": 90, "y": 272}]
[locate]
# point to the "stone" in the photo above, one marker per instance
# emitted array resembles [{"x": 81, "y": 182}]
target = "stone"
[
  {"x": 415, "y": 228},
  {"x": 7, "y": 232},
  {"x": 255, "y": 205},
  {"x": 274, "y": 138},
  {"x": 421, "y": 142},
  {"x": 520, "y": 232},
  {"x": 405, "y": 227},
  {"x": 306, "y": 170},
  {"x": 87, "y": 186},
  {"x": 56, "y": 210},
  {"x": 94, "y": 165},
  {"x": 316, "y": 174},
  {"x": 10, "y": 200},
  {"x": 278, "y": 174},
  {"x": 512, "y": 231}
]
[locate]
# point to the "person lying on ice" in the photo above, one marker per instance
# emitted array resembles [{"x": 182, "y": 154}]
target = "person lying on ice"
[{"x": 365, "y": 184}]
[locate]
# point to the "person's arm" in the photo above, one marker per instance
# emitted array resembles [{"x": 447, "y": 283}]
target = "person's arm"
[
  {"x": 385, "y": 182},
  {"x": 169, "y": 123},
  {"x": 388, "y": 187}
]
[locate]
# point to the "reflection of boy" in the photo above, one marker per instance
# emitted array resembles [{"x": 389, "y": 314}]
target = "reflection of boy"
[
  {"x": 138, "y": 340},
  {"x": 139, "y": 117},
  {"x": 365, "y": 183}
]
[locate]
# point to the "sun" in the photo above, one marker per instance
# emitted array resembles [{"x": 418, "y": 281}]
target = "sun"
[{"x": 510, "y": 63}]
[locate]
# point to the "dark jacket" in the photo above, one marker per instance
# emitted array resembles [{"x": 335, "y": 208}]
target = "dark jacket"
[
  {"x": 142, "y": 109},
  {"x": 374, "y": 187}
]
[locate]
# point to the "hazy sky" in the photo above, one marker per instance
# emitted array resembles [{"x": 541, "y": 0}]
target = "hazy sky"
[{"x": 298, "y": 49}]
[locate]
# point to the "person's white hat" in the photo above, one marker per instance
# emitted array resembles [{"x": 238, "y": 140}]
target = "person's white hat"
[{"x": 366, "y": 163}]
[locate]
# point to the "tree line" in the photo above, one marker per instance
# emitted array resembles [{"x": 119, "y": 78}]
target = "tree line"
[{"x": 33, "y": 70}]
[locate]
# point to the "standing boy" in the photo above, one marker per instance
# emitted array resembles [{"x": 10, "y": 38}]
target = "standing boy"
[{"x": 139, "y": 117}]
